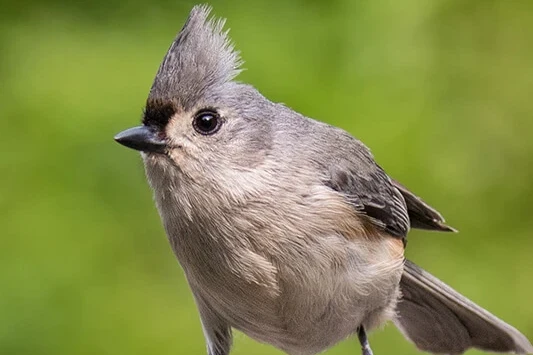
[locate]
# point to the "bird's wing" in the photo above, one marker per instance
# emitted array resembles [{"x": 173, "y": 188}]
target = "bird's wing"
[
  {"x": 370, "y": 191},
  {"x": 422, "y": 215},
  {"x": 388, "y": 204}
]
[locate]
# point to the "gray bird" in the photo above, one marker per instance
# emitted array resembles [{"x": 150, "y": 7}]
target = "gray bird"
[{"x": 286, "y": 227}]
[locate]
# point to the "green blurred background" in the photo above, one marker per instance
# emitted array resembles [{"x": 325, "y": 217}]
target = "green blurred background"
[{"x": 440, "y": 90}]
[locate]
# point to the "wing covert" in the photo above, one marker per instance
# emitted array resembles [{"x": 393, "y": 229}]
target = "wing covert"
[{"x": 371, "y": 192}]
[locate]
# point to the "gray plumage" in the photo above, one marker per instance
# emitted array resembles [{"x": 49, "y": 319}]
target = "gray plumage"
[
  {"x": 440, "y": 320},
  {"x": 286, "y": 228},
  {"x": 200, "y": 59}
]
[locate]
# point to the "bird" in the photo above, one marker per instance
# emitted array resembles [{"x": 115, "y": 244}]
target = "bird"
[{"x": 286, "y": 228}]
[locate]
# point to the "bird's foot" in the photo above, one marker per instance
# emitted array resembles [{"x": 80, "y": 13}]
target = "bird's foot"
[{"x": 365, "y": 345}]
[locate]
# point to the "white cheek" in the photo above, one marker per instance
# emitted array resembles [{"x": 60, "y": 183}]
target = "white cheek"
[{"x": 177, "y": 156}]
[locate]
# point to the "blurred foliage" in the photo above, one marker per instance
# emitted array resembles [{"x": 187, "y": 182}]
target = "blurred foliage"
[{"x": 440, "y": 90}]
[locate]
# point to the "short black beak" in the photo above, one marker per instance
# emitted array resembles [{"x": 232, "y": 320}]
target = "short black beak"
[{"x": 142, "y": 138}]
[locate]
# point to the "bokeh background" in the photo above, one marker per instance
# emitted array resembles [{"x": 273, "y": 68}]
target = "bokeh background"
[{"x": 440, "y": 90}]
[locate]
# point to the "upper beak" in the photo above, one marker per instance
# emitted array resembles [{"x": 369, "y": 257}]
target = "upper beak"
[{"x": 142, "y": 138}]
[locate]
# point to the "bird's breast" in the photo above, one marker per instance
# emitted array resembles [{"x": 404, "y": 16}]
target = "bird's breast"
[
  {"x": 302, "y": 300},
  {"x": 296, "y": 269}
]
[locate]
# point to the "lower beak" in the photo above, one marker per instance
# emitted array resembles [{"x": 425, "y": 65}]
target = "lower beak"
[{"x": 142, "y": 138}]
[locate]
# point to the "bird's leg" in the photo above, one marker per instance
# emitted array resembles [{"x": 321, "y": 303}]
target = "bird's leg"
[{"x": 365, "y": 346}]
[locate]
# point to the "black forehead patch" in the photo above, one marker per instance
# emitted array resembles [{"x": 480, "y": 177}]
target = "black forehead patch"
[{"x": 158, "y": 113}]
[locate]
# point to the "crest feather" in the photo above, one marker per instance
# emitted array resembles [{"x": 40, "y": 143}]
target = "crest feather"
[{"x": 200, "y": 58}]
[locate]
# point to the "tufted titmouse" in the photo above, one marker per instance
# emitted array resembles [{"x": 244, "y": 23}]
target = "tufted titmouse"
[{"x": 286, "y": 227}]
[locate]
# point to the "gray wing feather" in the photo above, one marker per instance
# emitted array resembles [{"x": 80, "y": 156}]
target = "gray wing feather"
[
  {"x": 440, "y": 320},
  {"x": 371, "y": 192},
  {"x": 387, "y": 203},
  {"x": 422, "y": 215}
]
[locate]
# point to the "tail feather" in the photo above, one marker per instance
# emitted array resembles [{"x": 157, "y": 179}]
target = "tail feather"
[{"x": 439, "y": 320}]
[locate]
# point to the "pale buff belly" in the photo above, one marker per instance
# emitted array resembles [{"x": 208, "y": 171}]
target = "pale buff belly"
[{"x": 315, "y": 307}]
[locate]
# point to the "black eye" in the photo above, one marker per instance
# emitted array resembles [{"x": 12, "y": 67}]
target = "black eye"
[{"x": 206, "y": 122}]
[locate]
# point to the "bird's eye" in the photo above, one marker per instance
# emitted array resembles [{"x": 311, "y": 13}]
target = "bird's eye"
[{"x": 206, "y": 122}]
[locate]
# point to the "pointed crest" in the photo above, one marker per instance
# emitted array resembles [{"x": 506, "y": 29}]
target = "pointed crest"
[{"x": 200, "y": 58}]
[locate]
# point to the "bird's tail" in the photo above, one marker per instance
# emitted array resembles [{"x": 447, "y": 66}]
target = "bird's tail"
[{"x": 439, "y": 320}]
